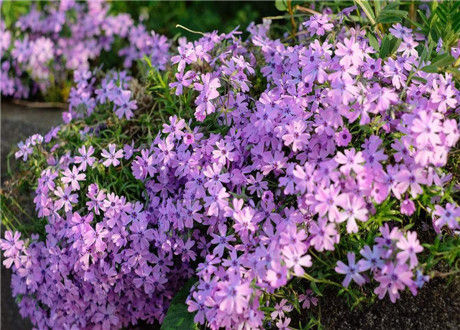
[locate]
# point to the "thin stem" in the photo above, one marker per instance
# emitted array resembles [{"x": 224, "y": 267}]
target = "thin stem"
[
  {"x": 325, "y": 281},
  {"x": 293, "y": 23},
  {"x": 189, "y": 30},
  {"x": 318, "y": 258},
  {"x": 443, "y": 275},
  {"x": 307, "y": 10}
]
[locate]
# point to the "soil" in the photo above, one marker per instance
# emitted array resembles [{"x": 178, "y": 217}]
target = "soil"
[{"x": 437, "y": 306}]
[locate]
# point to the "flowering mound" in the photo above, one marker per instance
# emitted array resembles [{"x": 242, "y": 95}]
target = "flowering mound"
[
  {"x": 281, "y": 167},
  {"x": 50, "y": 44}
]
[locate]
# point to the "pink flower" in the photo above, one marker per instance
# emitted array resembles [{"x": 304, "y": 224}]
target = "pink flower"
[
  {"x": 233, "y": 296},
  {"x": 280, "y": 309},
  {"x": 12, "y": 247},
  {"x": 410, "y": 179},
  {"x": 350, "y": 160},
  {"x": 324, "y": 235},
  {"x": 409, "y": 247},
  {"x": 85, "y": 159},
  {"x": 112, "y": 155},
  {"x": 350, "y": 53},
  {"x": 295, "y": 261},
  {"x": 354, "y": 208},
  {"x": 407, "y": 207},
  {"x": 296, "y": 135},
  {"x": 427, "y": 126},
  {"x": 244, "y": 220},
  {"x": 277, "y": 275},
  {"x": 327, "y": 202}
]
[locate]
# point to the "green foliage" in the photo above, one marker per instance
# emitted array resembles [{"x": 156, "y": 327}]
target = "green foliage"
[
  {"x": 281, "y": 5},
  {"x": 12, "y": 10},
  {"x": 444, "y": 23},
  {"x": 389, "y": 46},
  {"x": 390, "y": 14},
  {"x": 163, "y": 16},
  {"x": 178, "y": 317}
]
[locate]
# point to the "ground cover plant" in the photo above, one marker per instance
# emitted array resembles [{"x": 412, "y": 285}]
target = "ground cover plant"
[
  {"x": 232, "y": 181},
  {"x": 71, "y": 34},
  {"x": 43, "y": 47}
]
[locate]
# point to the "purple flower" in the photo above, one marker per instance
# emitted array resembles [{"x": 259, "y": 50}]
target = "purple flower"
[
  {"x": 354, "y": 209},
  {"x": 123, "y": 105},
  {"x": 447, "y": 216},
  {"x": 233, "y": 295},
  {"x": 392, "y": 280},
  {"x": 66, "y": 198},
  {"x": 208, "y": 92},
  {"x": 343, "y": 138},
  {"x": 280, "y": 309},
  {"x": 72, "y": 177},
  {"x": 318, "y": 24},
  {"x": 296, "y": 261},
  {"x": 112, "y": 155},
  {"x": 351, "y": 270},
  {"x": 350, "y": 53},
  {"x": 12, "y": 247},
  {"x": 324, "y": 235},
  {"x": 308, "y": 299},
  {"x": 372, "y": 258}
]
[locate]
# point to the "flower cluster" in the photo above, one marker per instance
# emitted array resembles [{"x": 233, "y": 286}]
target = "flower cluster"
[
  {"x": 278, "y": 153},
  {"x": 114, "y": 90},
  {"x": 67, "y": 36},
  {"x": 392, "y": 261},
  {"x": 143, "y": 43},
  {"x": 98, "y": 247}
]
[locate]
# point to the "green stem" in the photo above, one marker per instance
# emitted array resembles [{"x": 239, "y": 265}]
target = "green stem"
[
  {"x": 325, "y": 281},
  {"x": 189, "y": 30}
]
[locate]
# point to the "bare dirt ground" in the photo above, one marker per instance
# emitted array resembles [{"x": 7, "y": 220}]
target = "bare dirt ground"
[{"x": 437, "y": 306}]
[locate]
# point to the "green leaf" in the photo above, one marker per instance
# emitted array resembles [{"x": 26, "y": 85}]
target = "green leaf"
[
  {"x": 443, "y": 60},
  {"x": 366, "y": 7},
  {"x": 430, "y": 69},
  {"x": 423, "y": 17},
  {"x": 442, "y": 13},
  {"x": 178, "y": 317},
  {"x": 315, "y": 289},
  {"x": 419, "y": 79},
  {"x": 389, "y": 19},
  {"x": 389, "y": 46},
  {"x": 435, "y": 33},
  {"x": 390, "y": 15},
  {"x": 385, "y": 47},
  {"x": 281, "y": 5},
  {"x": 373, "y": 41},
  {"x": 395, "y": 45},
  {"x": 456, "y": 23},
  {"x": 394, "y": 12}
]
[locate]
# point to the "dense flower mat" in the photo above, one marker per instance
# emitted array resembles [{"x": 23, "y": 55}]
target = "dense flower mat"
[
  {"x": 47, "y": 45},
  {"x": 260, "y": 171}
]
